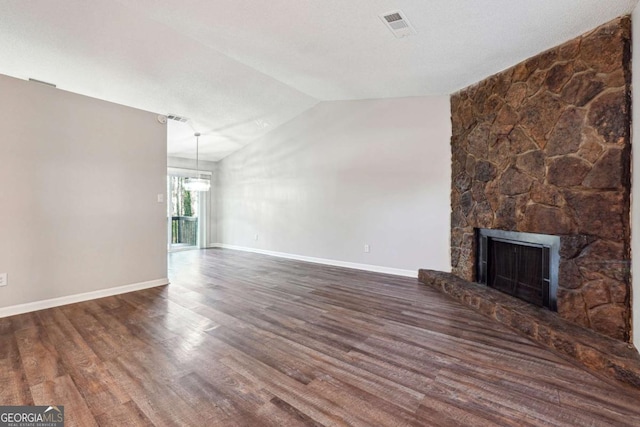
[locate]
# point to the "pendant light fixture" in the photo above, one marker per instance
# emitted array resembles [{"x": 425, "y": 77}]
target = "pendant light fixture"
[{"x": 197, "y": 183}]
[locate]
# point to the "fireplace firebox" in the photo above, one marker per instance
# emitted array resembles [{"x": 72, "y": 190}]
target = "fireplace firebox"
[{"x": 524, "y": 265}]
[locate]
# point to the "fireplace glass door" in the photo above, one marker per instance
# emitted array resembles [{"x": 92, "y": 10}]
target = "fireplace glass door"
[
  {"x": 519, "y": 270},
  {"x": 523, "y": 265}
]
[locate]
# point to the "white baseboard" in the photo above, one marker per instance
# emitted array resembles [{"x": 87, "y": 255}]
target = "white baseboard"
[
  {"x": 70, "y": 299},
  {"x": 332, "y": 262}
]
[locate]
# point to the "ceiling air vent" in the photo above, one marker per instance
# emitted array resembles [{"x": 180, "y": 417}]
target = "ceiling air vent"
[
  {"x": 41, "y": 82},
  {"x": 398, "y": 23},
  {"x": 177, "y": 118}
]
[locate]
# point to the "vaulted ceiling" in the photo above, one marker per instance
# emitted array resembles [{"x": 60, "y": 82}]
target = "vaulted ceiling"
[{"x": 240, "y": 68}]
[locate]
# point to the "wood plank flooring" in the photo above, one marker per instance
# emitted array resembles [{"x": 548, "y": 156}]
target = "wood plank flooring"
[{"x": 241, "y": 339}]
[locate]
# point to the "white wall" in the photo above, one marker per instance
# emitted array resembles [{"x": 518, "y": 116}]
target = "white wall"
[
  {"x": 342, "y": 175},
  {"x": 78, "y": 206},
  {"x": 635, "y": 182},
  {"x": 179, "y": 162}
]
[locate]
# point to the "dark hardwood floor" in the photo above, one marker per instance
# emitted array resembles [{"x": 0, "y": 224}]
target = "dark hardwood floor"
[{"x": 241, "y": 339}]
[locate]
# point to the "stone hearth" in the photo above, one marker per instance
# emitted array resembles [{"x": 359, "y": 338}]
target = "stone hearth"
[
  {"x": 544, "y": 147},
  {"x": 599, "y": 353}
]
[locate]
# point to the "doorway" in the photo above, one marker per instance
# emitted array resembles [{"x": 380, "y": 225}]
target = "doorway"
[{"x": 187, "y": 213}]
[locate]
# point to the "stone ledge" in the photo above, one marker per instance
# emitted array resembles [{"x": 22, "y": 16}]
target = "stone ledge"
[{"x": 594, "y": 351}]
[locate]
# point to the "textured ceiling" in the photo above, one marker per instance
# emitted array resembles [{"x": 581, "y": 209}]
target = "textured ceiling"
[{"x": 240, "y": 68}]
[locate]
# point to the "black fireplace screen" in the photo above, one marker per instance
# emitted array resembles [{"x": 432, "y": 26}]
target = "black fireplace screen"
[{"x": 518, "y": 267}]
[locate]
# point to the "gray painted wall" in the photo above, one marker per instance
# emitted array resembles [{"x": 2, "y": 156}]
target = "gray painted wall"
[
  {"x": 78, "y": 204},
  {"x": 342, "y": 175}
]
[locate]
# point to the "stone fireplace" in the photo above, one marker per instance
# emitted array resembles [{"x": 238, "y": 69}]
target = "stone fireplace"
[{"x": 544, "y": 147}]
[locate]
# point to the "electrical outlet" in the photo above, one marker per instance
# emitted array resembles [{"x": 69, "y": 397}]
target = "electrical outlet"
[
  {"x": 255, "y": 237},
  {"x": 160, "y": 198},
  {"x": 4, "y": 279},
  {"x": 366, "y": 248}
]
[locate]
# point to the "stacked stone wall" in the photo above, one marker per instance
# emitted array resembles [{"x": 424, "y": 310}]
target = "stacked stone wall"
[{"x": 544, "y": 147}]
